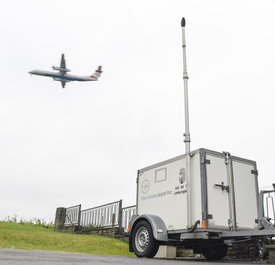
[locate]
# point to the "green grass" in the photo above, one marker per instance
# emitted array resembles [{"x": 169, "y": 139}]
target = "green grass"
[{"x": 28, "y": 236}]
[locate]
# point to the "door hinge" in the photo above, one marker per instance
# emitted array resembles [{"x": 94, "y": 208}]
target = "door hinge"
[
  {"x": 230, "y": 224},
  {"x": 207, "y": 216},
  {"x": 255, "y": 172},
  {"x": 205, "y": 161}
]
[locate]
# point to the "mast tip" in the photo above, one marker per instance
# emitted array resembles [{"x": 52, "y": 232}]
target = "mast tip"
[{"x": 183, "y": 22}]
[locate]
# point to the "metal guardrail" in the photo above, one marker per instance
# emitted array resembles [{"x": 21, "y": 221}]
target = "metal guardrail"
[
  {"x": 107, "y": 215},
  {"x": 268, "y": 203},
  {"x": 127, "y": 214},
  {"x": 72, "y": 216}
]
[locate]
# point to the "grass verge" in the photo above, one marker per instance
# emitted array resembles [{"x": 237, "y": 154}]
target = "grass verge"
[{"x": 26, "y": 236}]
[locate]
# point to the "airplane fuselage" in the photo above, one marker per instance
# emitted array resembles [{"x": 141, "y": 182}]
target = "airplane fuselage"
[{"x": 62, "y": 77}]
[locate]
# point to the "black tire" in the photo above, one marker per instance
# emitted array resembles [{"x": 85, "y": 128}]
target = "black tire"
[
  {"x": 263, "y": 252},
  {"x": 253, "y": 251},
  {"x": 215, "y": 252},
  {"x": 143, "y": 241}
]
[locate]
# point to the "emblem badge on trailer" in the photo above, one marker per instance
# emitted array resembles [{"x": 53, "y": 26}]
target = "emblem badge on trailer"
[
  {"x": 182, "y": 176},
  {"x": 145, "y": 186}
]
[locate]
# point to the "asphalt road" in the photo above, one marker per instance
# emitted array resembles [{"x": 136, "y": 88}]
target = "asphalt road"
[{"x": 37, "y": 257}]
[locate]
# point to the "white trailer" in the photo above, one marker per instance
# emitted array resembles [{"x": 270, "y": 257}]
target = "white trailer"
[
  {"x": 203, "y": 200},
  {"x": 224, "y": 202}
]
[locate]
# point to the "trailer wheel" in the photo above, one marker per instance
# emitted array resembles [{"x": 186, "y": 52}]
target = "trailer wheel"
[
  {"x": 263, "y": 252},
  {"x": 143, "y": 241},
  {"x": 215, "y": 252}
]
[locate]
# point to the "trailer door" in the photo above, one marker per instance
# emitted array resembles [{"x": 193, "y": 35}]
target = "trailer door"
[
  {"x": 217, "y": 205},
  {"x": 231, "y": 200},
  {"x": 246, "y": 192}
]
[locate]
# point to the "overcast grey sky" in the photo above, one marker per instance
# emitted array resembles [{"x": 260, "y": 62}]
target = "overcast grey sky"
[{"x": 84, "y": 144}]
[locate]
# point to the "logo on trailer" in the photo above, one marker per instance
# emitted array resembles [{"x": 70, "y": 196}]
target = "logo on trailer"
[
  {"x": 145, "y": 186},
  {"x": 182, "y": 176}
]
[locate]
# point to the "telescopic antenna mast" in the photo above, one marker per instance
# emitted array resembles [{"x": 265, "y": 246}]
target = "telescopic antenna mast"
[{"x": 187, "y": 132}]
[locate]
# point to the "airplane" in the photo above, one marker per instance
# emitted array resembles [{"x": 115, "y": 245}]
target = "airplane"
[{"x": 64, "y": 77}]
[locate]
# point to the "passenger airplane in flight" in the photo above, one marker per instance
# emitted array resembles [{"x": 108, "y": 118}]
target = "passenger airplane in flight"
[{"x": 64, "y": 77}]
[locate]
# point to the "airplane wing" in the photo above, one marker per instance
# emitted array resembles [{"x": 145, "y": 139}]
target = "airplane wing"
[
  {"x": 63, "y": 62},
  {"x": 62, "y": 68}
]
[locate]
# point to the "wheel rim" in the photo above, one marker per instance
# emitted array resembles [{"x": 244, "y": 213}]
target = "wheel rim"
[{"x": 142, "y": 239}]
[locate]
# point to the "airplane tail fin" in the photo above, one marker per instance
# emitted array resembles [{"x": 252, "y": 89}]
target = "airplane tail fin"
[{"x": 97, "y": 73}]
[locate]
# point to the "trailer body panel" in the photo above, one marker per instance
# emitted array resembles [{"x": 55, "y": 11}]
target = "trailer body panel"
[
  {"x": 224, "y": 191},
  {"x": 157, "y": 188}
]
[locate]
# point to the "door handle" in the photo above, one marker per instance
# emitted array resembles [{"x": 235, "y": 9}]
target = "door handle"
[{"x": 222, "y": 186}]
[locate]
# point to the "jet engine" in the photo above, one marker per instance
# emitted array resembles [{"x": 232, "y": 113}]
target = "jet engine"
[{"x": 61, "y": 69}]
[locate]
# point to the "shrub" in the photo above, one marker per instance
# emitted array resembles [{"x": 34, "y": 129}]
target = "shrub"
[{"x": 32, "y": 222}]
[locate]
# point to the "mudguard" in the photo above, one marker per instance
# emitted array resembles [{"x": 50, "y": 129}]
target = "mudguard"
[{"x": 157, "y": 224}]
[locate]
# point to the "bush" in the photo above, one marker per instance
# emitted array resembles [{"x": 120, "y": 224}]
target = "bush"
[{"x": 32, "y": 222}]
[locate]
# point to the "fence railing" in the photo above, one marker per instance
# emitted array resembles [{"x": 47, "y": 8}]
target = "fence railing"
[
  {"x": 72, "y": 216},
  {"x": 127, "y": 214},
  {"x": 267, "y": 199},
  {"x": 107, "y": 215}
]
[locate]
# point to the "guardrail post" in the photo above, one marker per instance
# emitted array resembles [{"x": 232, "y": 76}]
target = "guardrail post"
[
  {"x": 120, "y": 217},
  {"x": 79, "y": 217},
  {"x": 113, "y": 219}
]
